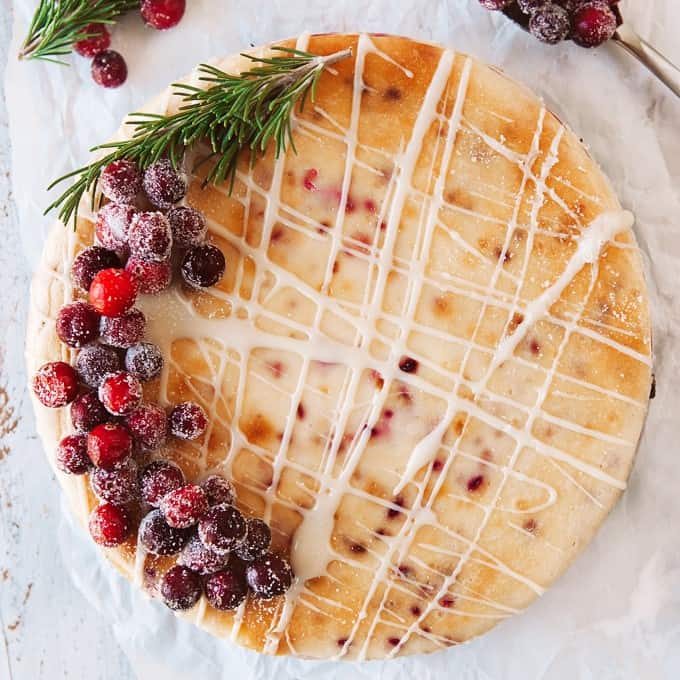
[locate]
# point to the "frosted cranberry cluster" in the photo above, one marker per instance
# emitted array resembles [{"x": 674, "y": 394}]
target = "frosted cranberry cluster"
[{"x": 221, "y": 553}]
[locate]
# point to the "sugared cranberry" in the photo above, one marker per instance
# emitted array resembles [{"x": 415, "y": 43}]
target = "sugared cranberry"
[
  {"x": 269, "y": 575},
  {"x": 188, "y": 420},
  {"x": 593, "y": 24},
  {"x": 150, "y": 236},
  {"x": 108, "y": 445},
  {"x": 97, "y": 38},
  {"x": 72, "y": 455},
  {"x": 96, "y": 361},
  {"x": 203, "y": 266},
  {"x": 113, "y": 292},
  {"x": 530, "y": 6},
  {"x": 89, "y": 262},
  {"x": 144, "y": 360},
  {"x": 87, "y": 412},
  {"x": 109, "y": 525},
  {"x": 550, "y": 24},
  {"x": 226, "y": 589},
  {"x": 158, "y": 479},
  {"x": 180, "y": 588},
  {"x": 121, "y": 181},
  {"x": 148, "y": 425},
  {"x": 77, "y": 324},
  {"x": 222, "y": 528},
  {"x": 124, "y": 330},
  {"x": 188, "y": 226},
  {"x": 112, "y": 225},
  {"x": 118, "y": 485},
  {"x": 109, "y": 69},
  {"x": 55, "y": 384},
  {"x": 200, "y": 559},
  {"x": 163, "y": 185},
  {"x": 219, "y": 490},
  {"x": 162, "y": 14},
  {"x": 121, "y": 393},
  {"x": 151, "y": 277},
  {"x": 495, "y": 5},
  {"x": 257, "y": 541},
  {"x": 183, "y": 507},
  {"x": 158, "y": 537}
]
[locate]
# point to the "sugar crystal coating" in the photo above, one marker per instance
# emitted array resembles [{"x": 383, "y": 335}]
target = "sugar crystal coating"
[
  {"x": 163, "y": 185},
  {"x": 222, "y": 528},
  {"x": 112, "y": 225},
  {"x": 269, "y": 576},
  {"x": 200, "y": 559},
  {"x": 125, "y": 330},
  {"x": 219, "y": 490},
  {"x": 188, "y": 226},
  {"x": 109, "y": 525},
  {"x": 55, "y": 384},
  {"x": 77, "y": 324},
  {"x": 158, "y": 537},
  {"x": 121, "y": 181},
  {"x": 151, "y": 277},
  {"x": 257, "y": 540},
  {"x": 150, "y": 236},
  {"x": 180, "y": 588},
  {"x": 144, "y": 360},
  {"x": 71, "y": 456},
  {"x": 87, "y": 412},
  {"x": 226, "y": 589},
  {"x": 148, "y": 425},
  {"x": 118, "y": 485},
  {"x": 183, "y": 507},
  {"x": 188, "y": 420},
  {"x": 158, "y": 479},
  {"x": 94, "y": 362},
  {"x": 121, "y": 393}
]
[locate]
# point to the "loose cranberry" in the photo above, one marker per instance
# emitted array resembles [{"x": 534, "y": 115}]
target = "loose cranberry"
[
  {"x": 148, "y": 425},
  {"x": 222, "y": 528},
  {"x": 593, "y": 24},
  {"x": 150, "y": 236},
  {"x": 112, "y": 225},
  {"x": 550, "y": 24},
  {"x": 55, "y": 384},
  {"x": 72, "y": 455},
  {"x": 269, "y": 575},
  {"x": 188, "y": 420},
  {"x": 203, "y": 266},
  {"x": 89, "y": 262},
  {"x": 144, "y": 360},
  {"x": 159, "y": 538},
  {"x": 108, "y": 445},
  {"x": 495, "y": 5},
  {"x": 87, "y": 412},
  {"x": 162, "y": 14},
  {"x": 158, "y": 479},
  {"x": 408, "y": 365},
  {"x": 95, "y": 362},
  {"x": 151, "y": 277},
  {"x": 121, "y": 181},
  {"x": 109, "y": 525},
  {"x": 124, "y": 330},
  {"x": 180, "y": 588},
  {"x": 257, "y": 541},
  {"x": 183, "y": 507},
  {"x": 109, "y": 69},
  {"x": 118, "y": 485},
  {"x": 198, "y": 558},
  {"x": 163, "y": 185},
  {"x": 77, "y": 324},
  {"x": 113, "y": 292},
  {"x": 188, "y": 225},
  {"x": 121, "y": 393},
  {"x": 226, "y": 589},
  {"x": 97, "y": 39},
  {"x": 219, "y": 490}
]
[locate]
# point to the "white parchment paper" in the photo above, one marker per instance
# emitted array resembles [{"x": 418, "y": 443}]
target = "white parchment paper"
[{"x": 616, "y": 613}]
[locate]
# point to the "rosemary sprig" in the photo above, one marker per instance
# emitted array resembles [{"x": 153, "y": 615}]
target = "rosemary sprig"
[
  {"x": 57, "y": 24},
  {"x": 235, "y": 113}
]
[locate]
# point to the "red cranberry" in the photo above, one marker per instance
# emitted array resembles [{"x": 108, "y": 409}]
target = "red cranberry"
[
  {"x": 257, "y": 541},
  {"x": 188, "y": 226},
  {"x": 148, "y": 425},
  {"x": 163, "y": 185},
  {"x": 158, "y": 537},
  {"x": 95, "y": 362},
  {"x": 87, "y": 412},
  {"x": 109, "y": 69},
  {"x": 219, "y": 490},
  {"x": 200, "y": 559},
  {"x": 121, "y": 393},
  {"x": 222, "y": 528},
  {"x": 112, "y": 225},
  {"x": 125, "y": 330},
  {"x": 203, "y": 266},
  {"x": 55, "y": 384},
  {"x": 150, "y": 236},
  {"x": 162, "y": 14},
  {"x": 144, "y": 360},
  {"x": 108, "y": 445},
  {"x": 109, "y": 525},
  {"x": 118, "y": 485},
  {"x": 72, "y": 455},
  {"x": 113, "y": 292},
  {"x": 269, "y": 575},
  {"x": 77, "y": 324},
  {"x": 121, "y": 181},
  {"x": 188, "y": 420},
  {"x": 151, "y": 277},
  {"x": 158, "y": 479},
  {"x": 226, "y": 589},
  {"x": 495, "y": 5},
  {"x": 97, "y": 39},
  {"x": 181, "y": 588},
  {"x": 183, "y": 507},
  {"x": 593, "y": 24},
  {"x": 550, "y": 24},
  {"x": 89, "y": 262}
]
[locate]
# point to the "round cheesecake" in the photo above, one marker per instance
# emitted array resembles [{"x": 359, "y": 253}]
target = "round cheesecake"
[{"x": 427, "y": 366}]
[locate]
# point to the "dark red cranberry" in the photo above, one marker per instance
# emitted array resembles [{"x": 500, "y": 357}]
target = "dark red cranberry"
[
  {"x": 148, "y": 425},
  {"x": 495, "y": 5},
  {"x": 188, "y": 226},
  {"x": 158, "y": 479},
  {"x": 96, "y": 38},
  {"x": 89, "y": 262},
  {"x": 408, "y": 365},
  {"x": 203, "y": 266},
  {"x": 109, "y": 525},
  {"x": 269, "y": 575},
  {"x": 151, "y": 277},
  {"x": 77, "y": 324},
  {"x": 113, "y": 292},
  {"x": 72, "y": 455},
  {"x": 55, "y": 384},
  {"x": 109, "y": 69},
  {"x": 181, "y": 588},
  {"x": 257, "y": 541},
  {"x": 226, "y": 589},
  {"x": 188, "y": 420},
  {"x": 159, "y": 538},
  {"x": 183, "y": 507},
  {"x": 108, "y": 445},
  {"x": 121, "y": 181},
  {"x": 121, "y": 393},
  {"x": 124, "y": 330},
  {"x": 200, "y": 559},
  {"x": 118, "y": 485},
  {"x": 219, "y": 490},
  {"x": 162, "y": 14},
  {"x": 163, "y": 185},
  {"x": 222, "y": 528},
  {"x": 475, "y": 482},
  {"x": 87, "y": 412},
  {"x": 150, "y": 237},
  {"x": 144, "y": 361},
  {"x": 112, "y": 225},
  {"x": 593, "y": 24},
  {"x": 550, "y": 24},
  {"x": 95, "y": 362}
]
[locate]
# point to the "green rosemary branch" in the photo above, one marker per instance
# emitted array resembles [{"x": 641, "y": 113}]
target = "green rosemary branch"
[
  {"x": 235, "y": 113},
  {"x": 57, "y": 24}
]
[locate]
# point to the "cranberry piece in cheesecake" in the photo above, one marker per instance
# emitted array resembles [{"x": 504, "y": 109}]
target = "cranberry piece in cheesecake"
[
  {"x": 72, "y": 455},
  {"x": 181, "y": 588},
  {"x": 151, "y": 277},
  {"x": 95, "y": 362},
  {"x": 121, "y": 181},
  {"x": 112, "y": 225},
  {"x": 149, "y": 425},
  {"x": 593, "y": 24},
  {"x": 96, "y": 37},
  {"x": 219, "y": 490},
  {"x": 87, "y": 412},
  {"x": 203, "y": 266},
  {"x": 162, "y": 14},
  {"x": 163, "y": 185},
  {"x": 188, "y": 420},
  {"x": 109, "y": 69},
  {"x": 222, "y": 528},
  {"x": 113, "y": 292},
  {"x": 150, "y": 236},
  {"x": 158, "y": 479},
  {"x": 55, "y": 384},
  {"x": 185, "y": 506},
  {"x": 200, "y": 559},
  {"x": 77, "y": 324},
  {"x": 158, "y": 537},
  {"x": 125, "y": 330},
  {"x": 256, "y": 542},
  {"x": 269, "y": 576},
  {"x": 108, "y": 445},
  {"x": 188, "y": 226},
  {"x": 109, "y": 525},
  {"x": 226, "y": 589},
  {"x": 121, "y": 393},
  {"x": 89, "y": 262},
  {"x": 118, "y": 485},
  {"x": 144, "y": 360}
]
